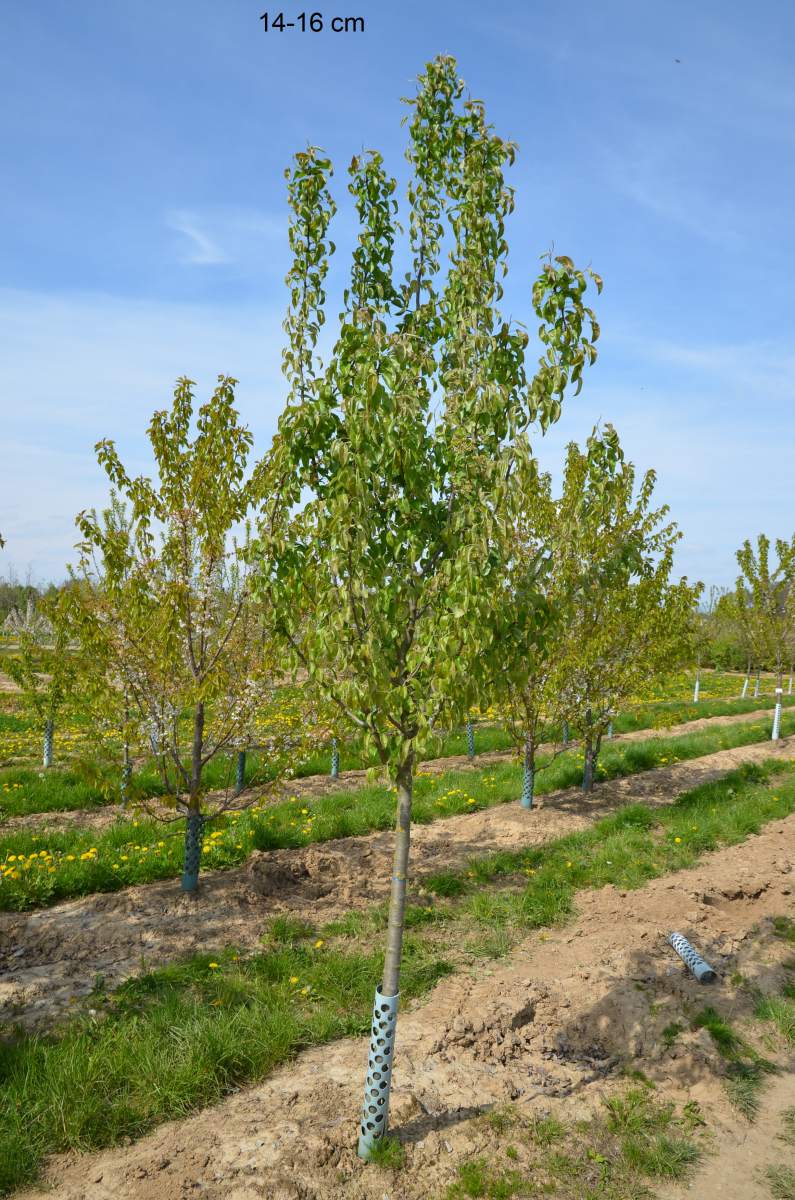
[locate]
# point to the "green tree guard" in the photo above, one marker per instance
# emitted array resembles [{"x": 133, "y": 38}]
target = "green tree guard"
[
  {"x": 194, "y": 833},
  {"x": 240, "y": 772},
  {"x": 49, "y": 729}
]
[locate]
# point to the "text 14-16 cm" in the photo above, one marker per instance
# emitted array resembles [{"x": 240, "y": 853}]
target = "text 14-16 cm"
[{"x": 311, "y": 23}]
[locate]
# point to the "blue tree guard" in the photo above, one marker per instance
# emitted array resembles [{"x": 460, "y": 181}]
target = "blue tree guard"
[
  {"x": 692, "y": 959},
  {"x": 240, "y": 772},
  {"x": 470, "y": 740},
  {"x": 378, "y": 1084},
  {"x": 49, "y": 730},
  {"x": 528, "y": 785},
  {"x": 335, "y": 759},
  {"x": 194, "y": 832}
]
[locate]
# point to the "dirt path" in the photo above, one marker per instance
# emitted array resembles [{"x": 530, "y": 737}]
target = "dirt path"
[
  {"x": 51, "y": 955},
  {"x": 736, "y": 1171},
  {"x": 321, "y": 785},
  {"x": 545, "y": 1028}
]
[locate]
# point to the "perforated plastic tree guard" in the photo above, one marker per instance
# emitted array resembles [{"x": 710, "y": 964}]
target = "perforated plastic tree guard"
[
  {"x": 377, "y": 1085},
  {"x": 610, "y": 730},
  {"x": 335, "y": 759},
  {"x": 194, "y": 830},
  {"x": 692, "y": 959},
  {"x": 745, "y": 688},
  {"x": 48, "y": 743},
  {"x": 696, "y": 690},
  {"x": 240, "y": 772},
  {"x": 126, "y": 775},
  {"x": 470, "y": 740},
  {"x": 566, "y": 738},
  {"x": 776, "y": 734},
  {"x": 527, "y": 787}
]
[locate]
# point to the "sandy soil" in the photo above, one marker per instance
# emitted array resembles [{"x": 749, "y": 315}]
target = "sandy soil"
[
  {"x": 321, "y": 785},
  {"x": 547, "y": 1028},
  {"x": 49, "y": 956}
]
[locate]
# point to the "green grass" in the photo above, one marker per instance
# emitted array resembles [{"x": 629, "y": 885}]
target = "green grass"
[
  {"x": 612, "y": 1156},
  {"x": 788, "y": 1126},
  {"x": 781, "y": 1182},
  {"x": 84, "y": 785},
  {"x": 173, "y": 1040},
  {"x": 76, "y": 862},
  {"x": 746, "y": 1070},
  {"x": 176, "y": 1040}
]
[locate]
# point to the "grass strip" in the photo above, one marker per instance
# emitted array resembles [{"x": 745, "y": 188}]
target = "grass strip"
[
  {"x": 176, "y": 1039},
  {"x": 39, "y": 869},
  {"x": 635, "y": 1140},
  {"x": 25, "y": 789}
]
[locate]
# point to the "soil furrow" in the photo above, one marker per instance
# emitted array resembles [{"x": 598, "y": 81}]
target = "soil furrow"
[
  {"x": 549, "y": 1028},
  {"x": 52, "y": 955},
  {"x": 321, "y": 785}
]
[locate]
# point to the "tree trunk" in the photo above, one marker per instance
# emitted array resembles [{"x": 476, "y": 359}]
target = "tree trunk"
[
  {"x": 375, "y": 1112},
  {"x": 528, "y": 783},
  {"x": 194, "y": 824},
  {"x": 588, "y": 766},
  {"x": 49, "y": 730}
]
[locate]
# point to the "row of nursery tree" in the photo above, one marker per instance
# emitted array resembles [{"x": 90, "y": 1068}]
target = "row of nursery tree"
[{"x": 398, "y": 550}]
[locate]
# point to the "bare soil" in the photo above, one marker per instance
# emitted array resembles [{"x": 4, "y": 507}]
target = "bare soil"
[
  {"x": 549, "y": 1028},
  {"x": 50, "y": 957},
  {"x": 322, "y": 785}
]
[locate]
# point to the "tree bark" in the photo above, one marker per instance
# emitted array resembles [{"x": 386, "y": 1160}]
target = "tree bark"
[{"x": 390, "y": 984}]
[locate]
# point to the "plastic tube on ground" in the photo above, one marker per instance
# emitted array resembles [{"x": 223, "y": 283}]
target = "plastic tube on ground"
[{"x": 692, "y": 959}]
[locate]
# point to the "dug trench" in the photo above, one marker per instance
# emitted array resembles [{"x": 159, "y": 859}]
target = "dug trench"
[
  {"x": 553, "y": 1028},
  {"x": 50, "y": 958},
  {"x": 322, "y": 785}
]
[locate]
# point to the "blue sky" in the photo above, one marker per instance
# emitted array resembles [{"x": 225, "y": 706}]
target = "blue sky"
[{"x": 143, "y": 225}]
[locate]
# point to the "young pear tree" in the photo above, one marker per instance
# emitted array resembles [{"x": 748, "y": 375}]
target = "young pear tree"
[
  {"x": 625, "y": 623},
  {"x": 167, "y": 604},
  {"x": 765, "y": 599},
  {"x": 527, "y": 620},
  {"x": 389, "y": 475},
  {"x": 45, "y": 667}
]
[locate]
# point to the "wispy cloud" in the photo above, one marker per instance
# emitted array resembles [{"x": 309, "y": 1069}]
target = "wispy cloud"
[
  {"x": 216, "y": 236},
  {"x": 200, "y": 249}
]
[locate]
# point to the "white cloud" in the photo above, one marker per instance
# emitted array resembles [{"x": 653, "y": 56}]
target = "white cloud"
[
  {"x": 222, "y": 235},
  {"x": 200, "y": 250}
]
